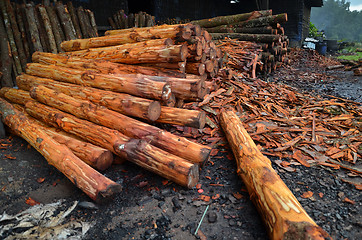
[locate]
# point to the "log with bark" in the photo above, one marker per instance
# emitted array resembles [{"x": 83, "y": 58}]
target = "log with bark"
[
  {"x": 178, "y": 146},
  {"x": 95, "y": 185},
  {"x": 56, "y": 27},
  {"x": 283, "y": 215},
  {"x": 5, "y": 56},
  {"x": 74, "y": 17},
  {"x": 20, "y": 16},
  {"x": 256, "y": 30},
  {"x": 226, "y": 20},
  {"x": 48, "y": 29},
  {"x": 264, "y": 38},
  {"x": 136, "y": 85},
  {"x": 134, "y": 150},
  {"x": 65, "y": 20},
  {"x": 33, "y": 29}
]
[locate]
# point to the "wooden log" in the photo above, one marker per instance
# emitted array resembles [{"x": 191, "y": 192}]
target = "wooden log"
[
  {"x": 178, "y": 146},
  {"x": 42, "y": 33},
  {"x": 92, "y": 22},
  {"x": 5, "y": 57},
  {"x": 10, "y": 36},
  {"x": 102, "y": 67},
  {"x": 224, "y": 20},
  {"x": 19, "y": 18},
  {"x": 131, "y": 20},
  {"x": 17, "y": 35},
  {"x": 95, "y": 185},
  {"x": 69, "y": 30},
  {"x": 178, "y": 66},
  {"x": 56, "y": 27},
  {"x": 264, "y": 38},
  {"x": 15, "y": 95},
  {"x": 33, "y": 29},
  {"x": 123, "y": 103},
  {"x": 112, "y": 23},
  {"x": 182, "y": 117},
  {"x": 134, "y": 150},
  {"x": 357, "y": 71},
  {"x": 74, "y": 18},
  {"x": 135, "y": 54},
  {"x": 137, "y": 85},
  {"x": 256, "y": 30},
  {"x": 48, "y": 29},
  {"x": 82, "y": 22},
  {"x": 283, "y": 215},
  {"x": 195, "y": 68}
]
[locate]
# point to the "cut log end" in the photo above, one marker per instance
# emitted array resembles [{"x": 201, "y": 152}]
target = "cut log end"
[
  {"x": 154, "y": 111},
  {"x": 184, "y": 52},
  {"x": 104, "y": 160},
  {"x": 205, "y": 154},
  {"x": 108, "y": 194},
  {"x": 305, "y": 230},
  {"x": 193, "y": 176},
  {"x": 201, "y": 120}
]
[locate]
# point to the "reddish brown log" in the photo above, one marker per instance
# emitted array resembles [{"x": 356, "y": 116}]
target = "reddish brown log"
[
  {"x": 195, "y": 68},
  {"x": 136, "y": 85},
  {"x": 178, "y": 146},
  {"x": 283, "y": 215},
  {"x": 182, "y": 117},
  {"x": 123, "y": 103},
  {"x": 95, "y": 185},
  {"x": 137, "y": 151}
]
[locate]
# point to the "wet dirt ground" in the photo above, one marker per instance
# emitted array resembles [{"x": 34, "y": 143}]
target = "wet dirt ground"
[{"x": 152, "y": 208}]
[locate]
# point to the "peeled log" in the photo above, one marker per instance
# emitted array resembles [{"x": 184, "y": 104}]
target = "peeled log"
[
  {"x": 223, "y": 20},
  {"x": 283, "y": 215},
  {"x": 94, "y": 184},
  {"x": 100, "y": 66},
  {"x": 182, "y": 117},
  {"x": 264, "y": 38},
  {"x": 120, "y": 102},
  {"x": 132, "y": 84},
  {"x": 135, "y": 54},
  {"x": 176, "y": 145},
  {"x": 134, "y": 150}
]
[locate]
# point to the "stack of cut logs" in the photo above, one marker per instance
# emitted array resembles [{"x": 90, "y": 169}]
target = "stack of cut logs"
[
  {"x": 260, "y": 27},
  {"x": 121, "y": 21},
  {"x": 112, "y": 105},
  {"x": 27, "y": 28}
]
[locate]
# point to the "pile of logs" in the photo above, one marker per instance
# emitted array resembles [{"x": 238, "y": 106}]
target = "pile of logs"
[
  {"x": 260, "y": 27},
  {"x": 120, "y": 20},
  {"x": 355, "y": 66},
  {"x": 27, "y": 28}
]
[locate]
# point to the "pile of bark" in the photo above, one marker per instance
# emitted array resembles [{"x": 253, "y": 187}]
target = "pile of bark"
[
  {"x": 27, "y": 28},
  {"x": 355, "y": 66},
  {"x": 120, "y": 20},
  {"x": 259, "y": 27}
]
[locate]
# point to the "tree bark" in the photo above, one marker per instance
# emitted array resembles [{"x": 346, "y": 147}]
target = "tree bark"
[
  {"x": 82, "y": 21},
  {"x": 224, "y": 20},
  {"x": 19, "y": 17},
  {"x": 256, "y": 30},
  {"x": 15, "y": 95},
  {"x": 100, "y": 66},
  {"x": 56, "y": 27},
  {"x": 48, "y": 29},
  {"x": 137, "y": 85},
  {"x": 95, "y": 185},
  {"x": 195, "y": 68},
  {"x": 283, "y": 215},
  {"x": 263, "y": 38},
  {"x": 74, "y": 19},
  {"x": 92, "y": 22},
  {"x": 182, "y": 117},
  {"x": 134, "y": 150},
  {"x": 123, "y": 103},
  {"x": 178, "y": 146},
  {"x": 42, "y": 33},
  {"x": 65, "y": 20},
  {"x": 6, "y": 59},
  {"x": 33, "y": 29}
]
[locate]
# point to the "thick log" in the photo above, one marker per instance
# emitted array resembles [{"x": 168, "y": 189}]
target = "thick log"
[
  {"x": 283, "y": 215},
  {"x": 10, "y": 35},
  {"x": 195, "y": 68},
  {"x": 5, "y": 57},
  {"x": 48, "y": 29},
  {"x": 16, "y": 32},
  {"x": 74, "y": 18},
  {"x": 134, "y": 150},
  {"x": 135, "y": 54},
  {"x": 178, "y": 146},
  {"x": 20, "y": 19},
  {"x": 264, "y": 38},
  {"x": 177, "y": 66},
  {"x": 56, "y": 27},
  {"x": 182, "y": 117},
  {"x": 137, "y": 85},
  {"x": 65, "y": 20},
  {"x": 100, "y": 66},
  {"x": 123, "y": 103},
  {"x": 15, "y": 95},
  {"x": 33, "y": 29},
  {"x": 95, "y": 185},
  {"x": 224, "y": 20}
]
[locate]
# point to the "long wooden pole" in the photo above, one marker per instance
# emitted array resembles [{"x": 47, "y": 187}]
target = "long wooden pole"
[{"x": 283, "y": 215}]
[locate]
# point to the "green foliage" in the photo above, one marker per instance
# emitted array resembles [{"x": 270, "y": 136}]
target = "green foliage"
[
  {"x": 313, "y": 31},
  {"x": 338, "y": 22},
  {"x": 355, "y": 57}
]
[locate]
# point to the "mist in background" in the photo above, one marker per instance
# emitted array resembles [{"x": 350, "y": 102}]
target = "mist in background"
[{"x": 338, "y": 20}]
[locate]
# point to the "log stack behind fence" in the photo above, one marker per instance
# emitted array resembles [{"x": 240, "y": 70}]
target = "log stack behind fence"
[{"x": 29, "y": 28}]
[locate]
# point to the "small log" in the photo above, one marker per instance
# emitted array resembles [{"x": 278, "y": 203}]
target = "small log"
[
  {"x": 100, "y": 66},
  {"x": 135, "y": 54},
  {"x": 42, "y": 33},
  {"x": 112, "y": 23},
  {"x": 137, "y": 85},
  {"x": 75, "y": 21},
  {"x": 131, "y": 20},
  {"x": 48, "y": 29},
  {"x": 224, "y": 20},
  {"x": 264, "y": 38},
  {"x": 15, "y": 95},
  {"x": 5, "y": 57},
  {"x": 257, "y": 30},
  {"x": 95, "y": 185},
  {"x": 283, "y": 215},
  {"x": 182, "y": 117},
  {"x": 82, "y": 22},
  {"x": 33, "y": 29},
  {"x": 334, "y": 67},
  {"x": 19, "y": 18},
  {"x": 92, "y": 22},
  {"x": 134, "y": 150},
  {"x": 56, "y": 27},
  {"x": 195, "y": 68},
  {"x": 10, "y": 36},
  {"x": 123, "y": 103},
  {"x": 65, "y": 20},
  {"x": 178, "y": 146}
]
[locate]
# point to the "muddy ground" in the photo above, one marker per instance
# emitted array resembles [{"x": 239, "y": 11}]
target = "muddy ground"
[{"x": 152, "y": 208}]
